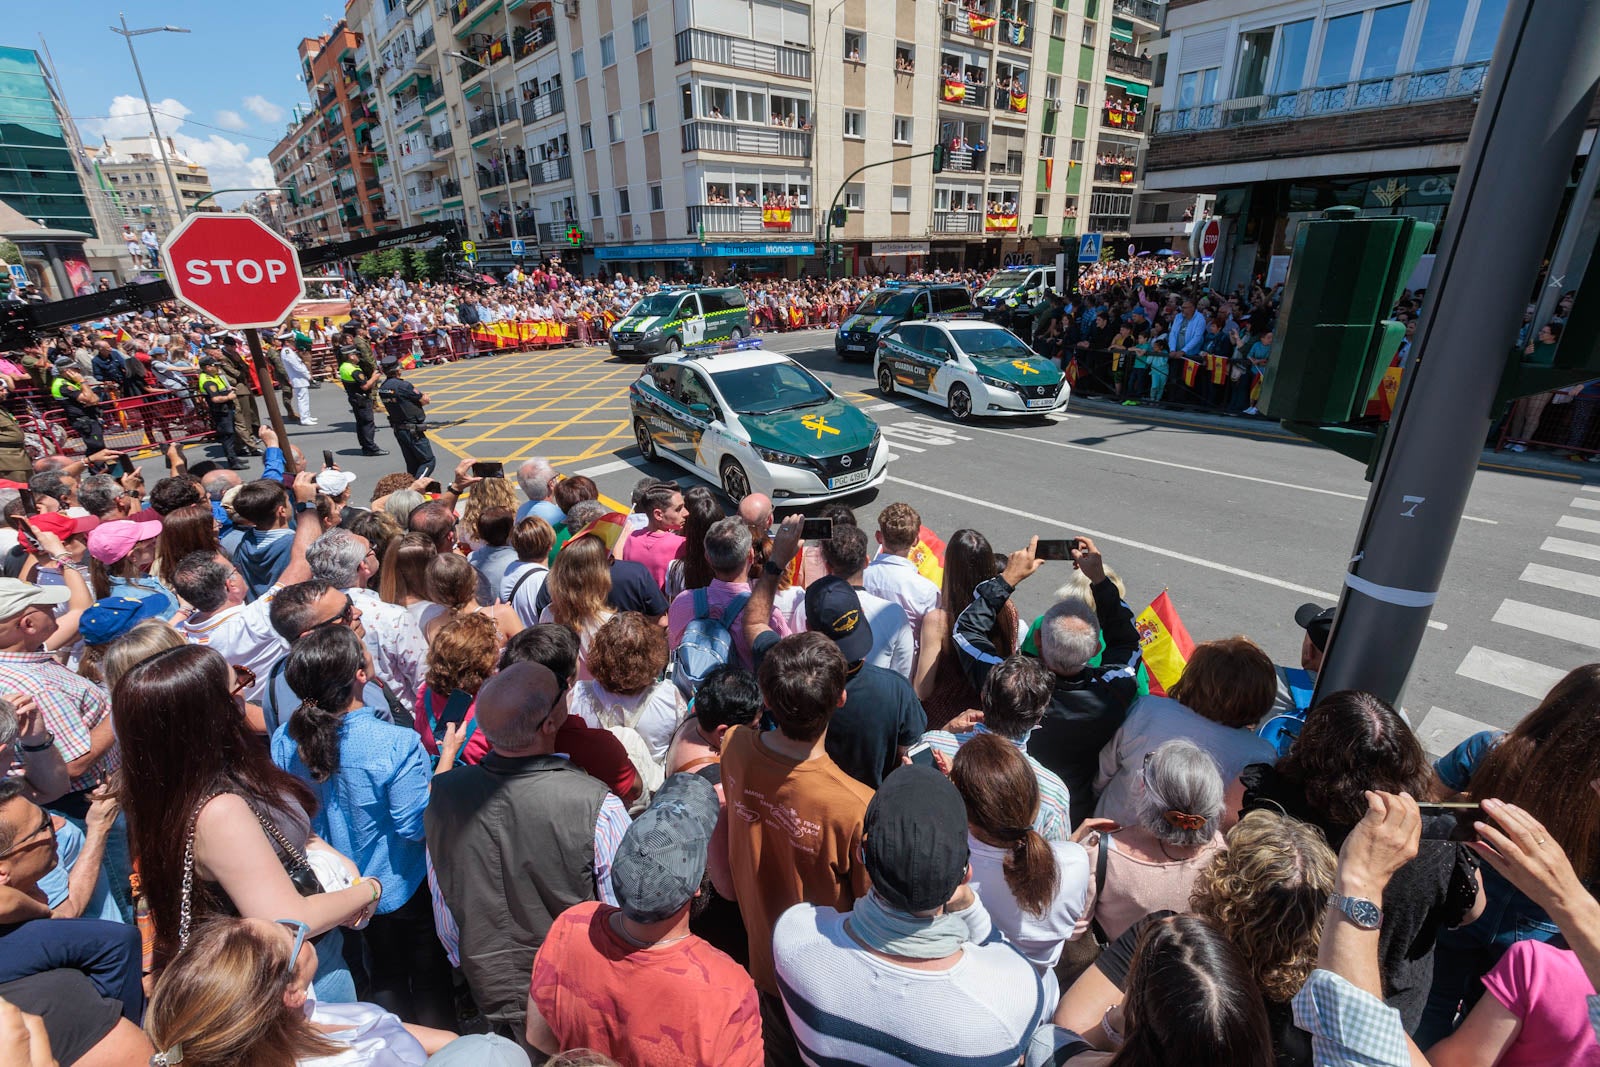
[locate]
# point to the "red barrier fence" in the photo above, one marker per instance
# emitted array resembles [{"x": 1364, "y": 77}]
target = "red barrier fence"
[
  {"x": 1555, "y": 422},
  {"x": 137, "y": 423}
]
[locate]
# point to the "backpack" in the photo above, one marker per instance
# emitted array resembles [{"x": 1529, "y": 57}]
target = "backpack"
[
  {"x": 707, "y": 642},
  {"x": 623, "y": 725},
  {"x": 1281, "y": 730}
]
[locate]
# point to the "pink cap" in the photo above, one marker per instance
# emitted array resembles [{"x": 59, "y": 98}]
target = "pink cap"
[{"x": 110, "y": 541}]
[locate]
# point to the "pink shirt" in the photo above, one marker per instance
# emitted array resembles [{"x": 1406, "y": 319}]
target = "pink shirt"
[
  {"x": 1546, "y": 988},
  {"x": 653, "y": 548},
  {"x": 718, "y": 593}
]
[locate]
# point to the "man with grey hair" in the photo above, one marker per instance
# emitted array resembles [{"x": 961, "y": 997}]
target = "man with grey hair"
[
  {"x": 103, "y": 496},
  {"x": 536, "y": 475},
  {"x": 1088, "y": 704},
  {"x": 730, "y": 553},
  {"x": 399, "y": 652}
]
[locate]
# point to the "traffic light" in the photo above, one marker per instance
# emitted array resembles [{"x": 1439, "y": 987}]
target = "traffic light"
[
  {"x": 293, "y": 189},
  {"x": 840, "y": 216},
  {"x": 938, "y": 158},
  {"x": 1332, "y": 344}
]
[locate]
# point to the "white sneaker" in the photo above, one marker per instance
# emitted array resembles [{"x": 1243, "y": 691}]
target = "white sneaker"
[
  {"x": 1251, "y": 410},
  {"x": 1517, "y": 448},
  {"x": 308, "y": 422}
]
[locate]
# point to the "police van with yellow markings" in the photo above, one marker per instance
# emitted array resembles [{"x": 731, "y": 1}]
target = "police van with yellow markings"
[
  {"x": 886, "y": 308},
  {"x": 755, "y": 421},
  {"x": 680, "y": 317},
  {"x": 972, "y": 368}
]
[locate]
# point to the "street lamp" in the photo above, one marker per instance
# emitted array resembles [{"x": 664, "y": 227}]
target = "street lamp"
[
  {"x": 128, "y": 35},
  {"x": 499, "y": 133}
]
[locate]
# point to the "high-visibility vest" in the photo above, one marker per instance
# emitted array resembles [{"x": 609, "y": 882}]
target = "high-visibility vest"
[
  {"x": 349, "y": 373},
  {"x": 204, "y": 379},
  {"x": 56, "y": 387}
]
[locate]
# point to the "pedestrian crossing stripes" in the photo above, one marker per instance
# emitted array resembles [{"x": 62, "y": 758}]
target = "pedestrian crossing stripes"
[
  {"x": 1561, "y": 578},
  {"x": 1548, "y": 622},
  {"x": 1509, "y": 672},
  {"x": 1580, "y": 549},
  {"x": 1585, "y": 503},
  {"x": 1572, "y": 522},
  {"x": 1441, "y": 730}
]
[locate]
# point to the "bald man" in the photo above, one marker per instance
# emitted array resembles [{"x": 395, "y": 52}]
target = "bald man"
[
  {"x": 517, "y": 839},
  {"x": 755, "y": 511}
]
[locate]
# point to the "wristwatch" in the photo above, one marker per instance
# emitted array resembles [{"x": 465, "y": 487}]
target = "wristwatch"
[
  {"x": 770, "y": 567},
  {"x": 49, "y": 739},
  {"x": 1364, "y": 913}
]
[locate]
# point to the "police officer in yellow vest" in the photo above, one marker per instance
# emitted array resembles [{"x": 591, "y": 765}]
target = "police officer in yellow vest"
[
  {"x": 219, "y": 397},
  {"x": 359, "y": 382},
  {"x": 79, "y": 403}
]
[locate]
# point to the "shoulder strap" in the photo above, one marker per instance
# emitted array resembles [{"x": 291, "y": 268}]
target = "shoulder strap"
[
  {"x": 694, "y": 764},
  {"x": 733, "y": 608},
  {"x": 1101, "y": 853},
  {"x": 529, "y": 570},
  {"x": 702, "y": 604},
  {"x": 186, "y": 896}
]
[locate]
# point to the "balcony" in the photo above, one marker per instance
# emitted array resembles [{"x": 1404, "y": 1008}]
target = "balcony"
[
  {"x": 325, "y": 97},
  {"x": 411, "y": 109},
  {"x": 486, "y": 53},
  {"x": 551, "y": 170},
  {"x": 518, "y": 171},
  {"x": 958, "y": 221},
  {"x": 350, "y": 216},
  {"x": 955, "y": 93},
  {"x": 425, "y": 40},
  {"x": 708, "y": 135},
  {"x": 483, "y": 123},
  {"x": 442, "y": 142},
  {"x": 1400, "y": 90},
  {"x": 427, "y": 200},
  {"x": 531, "y": 39},
  {"x": 449, "y": 189},
  {"x": 1122, "y": 120},
  {"x": 338, "y": 160},
  {"x": 1015, "y": 33},
  {"x": 490, "y": 179},
  {"x": 964, "y": 161},
  {"x": 1011, "y": 101},
  {"x": 417, "y": 156},
  {"x": 733, "y": 218},
  {"x": 1133, "y": 66},
  {"x": 1144, "y": 10},
  {"x": 726, "y": 51},
  {"x": 975, "y": 25},
  {"x": 460, "y": 9},
  {"x": 1118, "y": 173},
  {"x": 543, "y": 106}
]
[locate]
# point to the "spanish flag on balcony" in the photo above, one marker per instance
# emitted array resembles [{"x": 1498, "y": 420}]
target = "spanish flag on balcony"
[
  {"x": 496, "y": 50},
  {"x": 1019, "y": 101},
  {"x": 1164, "y": 644},
  {"x": 977, "y": 23},
  {"x": 1114, "y": 117},
  {"x": 995, "y": 220},
  {"x": 955, "y": 90},
  {"x": 1125, "y": 175},
  {"x": 1049, "y": 173},
  {"x": 777, "y": 218}
]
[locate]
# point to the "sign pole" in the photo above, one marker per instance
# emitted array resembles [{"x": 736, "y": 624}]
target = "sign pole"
[{"x": 269, "y": 393}]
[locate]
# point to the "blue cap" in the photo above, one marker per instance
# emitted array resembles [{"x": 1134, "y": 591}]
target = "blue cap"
[{"x": 114, "y": 616}]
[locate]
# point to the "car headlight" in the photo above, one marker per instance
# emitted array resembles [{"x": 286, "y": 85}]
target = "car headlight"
[
  {"x": 786, "y": 459},
  {"x": 997, "y": 383},
  {"x": 654, "y": 331}
]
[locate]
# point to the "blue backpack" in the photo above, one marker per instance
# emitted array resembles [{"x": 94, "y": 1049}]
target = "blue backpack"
[{"x": 707, "y": 642}]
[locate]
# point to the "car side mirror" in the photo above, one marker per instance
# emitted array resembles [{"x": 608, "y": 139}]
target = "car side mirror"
[{"x": 700, "y": 409}]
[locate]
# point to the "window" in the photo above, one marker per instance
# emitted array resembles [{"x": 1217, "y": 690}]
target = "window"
[
  {"x": 905, "y": 58},
  {"x": 1076, "y": 151},
  {"x": 791, "y": 111},
  {"x": 647, "y": 116},
  {"x": 1047, "y": 147},
  {"x": 715, "y": 102},
  {"x": 641, "y": 33},
  {"x": 1082, "y": 96},
  {"x": 586, "y": 136},
  {"x": 1384, "y": 36},
  {"x": 623, "y": 206},
  {"x": 902, "y": 129},
  {"x": 608, "y": 51},
  {"x": 853, "y": 40},
  {"x": 578, "y": 69},
  {"x": 594, "y": 205},
  {"x": 614, "y": 126},
  {"x": 1013, "y": 162},
  {"x": 1052, "y": 88},
  {"x": 900, "y": 198},
  {"x": 750, "y": 105},
  {"x": 1198, "y": 87},
  {"x": 1441, "y": 28},
  {"x": 686, "y": 102},
  {"x": 1038, "y": 206},
  {"x": 852, "y": 196},
  {"x": 1338, "y": 55},
  {"x": 1071, "y": 209},
  {"x": 1485, "y": 28},
  {"x": 855, "y": 124},
  {"x": 1089, "y": 32},
  {"x": 657, "y": 202},
  {"x": 1058, "y": 24}
]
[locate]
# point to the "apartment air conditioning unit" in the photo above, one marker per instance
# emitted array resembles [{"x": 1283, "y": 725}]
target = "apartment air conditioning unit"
[
  {"x": 1055, "y": 104},
  {"x": 570, "y": 7}
]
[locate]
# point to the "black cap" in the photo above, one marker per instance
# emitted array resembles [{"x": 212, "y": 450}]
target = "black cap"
[
  {"x": 833, "y": 608},
  {"x": 1317, "y": 621},
  {"x": 389, "y": 360},
  {"x": 348, "y": 350},
  {"x": 208, "y": 361},
  {"x": 350, "y": 326},
  {"x": 916, "y": 839}
]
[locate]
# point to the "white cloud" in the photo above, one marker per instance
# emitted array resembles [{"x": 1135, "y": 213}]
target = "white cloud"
[
  {"x": 231, "y": 120},
  {"x": 263, "y": 109},
  {"x": 230, "y": 164}
]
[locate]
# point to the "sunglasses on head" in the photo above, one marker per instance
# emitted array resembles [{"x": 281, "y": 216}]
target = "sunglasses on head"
[{"x": 243, "y": 678}]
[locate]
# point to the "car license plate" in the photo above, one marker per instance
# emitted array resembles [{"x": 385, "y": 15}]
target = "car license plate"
[
  {"x": 853, "y": 478},
  {"x": 624, "y": 348},
  {"x": 1047, "y": 402},
  {"x": 855, "y": 348}
]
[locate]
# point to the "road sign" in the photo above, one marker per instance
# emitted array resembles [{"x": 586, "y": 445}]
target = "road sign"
[
  {"x": 233, "y": 268},
  {"x": 1210, "y": 238},
  {"x": 470, "y": 258},
  {"x": 518, "y": 248},
  {"x": 468, "y": 248},
  {"x": 1089, "y": 247},
  {"x": 19, "y": 275}
]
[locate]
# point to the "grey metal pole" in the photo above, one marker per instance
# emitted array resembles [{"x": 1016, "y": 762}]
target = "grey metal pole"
[
  {"x": 1534, "y": 101},
  {"x": 161, "y": 145},
  {"x": 505, "y": 160},
  {"x": 1567, "y": 245}
]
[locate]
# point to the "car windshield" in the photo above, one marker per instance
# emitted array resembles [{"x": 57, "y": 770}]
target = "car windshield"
[
  {"x": 887, "y": 302},
  {"x": 991, "y": 344},
  {"x": 1006, "y": 279},
  {"x": 657, "y": 304},
  {"x": 770, "y": 387}
]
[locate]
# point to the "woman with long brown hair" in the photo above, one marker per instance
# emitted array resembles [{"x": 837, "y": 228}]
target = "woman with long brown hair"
[
  {"x": 453, "y": 583},
  {"x": 403, "y": 577},
  {"x": 690, "y": 570},
  {"x": 579, "y": 583},
  {"x": 188, "y": 529},
  {"x": 941, "y": 684}
]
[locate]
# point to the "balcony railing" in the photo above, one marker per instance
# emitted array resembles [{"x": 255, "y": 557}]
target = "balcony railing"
[
  {"x": 1134, "y": 66},
  {"x": 419, "y": 156},
  {"x": 490, "y": 179},
  {"x": 1116, "y": 118},
  {"x": 425, "y": 40},
  {"x": 543, "y": 106},
  {"x": 953, "y": 92},
  {"x": 442, "y": 141},
  {"x": 410, "y": 109},
  {"x": 964, "y": 161},
  {"x": 484, "y": 122},
  {"x": 1109, "y": 223},
  {"x": 518, "y": 171},
  {"x": 460, "y": 9},
  {"x": 708, "y": 135},
  {"x": 449, "y": 188},
  {"x": 1400, "y": 90},
  {"x": 1148, "y": 10},
  {"x": 958, "y": 21},
  {"x": 1016, "y": 33},
  {"x": 338, "y": 160},
  {"x": 726, "y": 51},
  {"x": 732, "y": 218},
  {"x": 958, "y": 222},
  {"x": 1011, "y": 101},
  {"x": 1121, "y": 173},
  {"x": 551, "y": 170},
  {"x": 530, "y": 39},
  {"x": 487, "y": 54},
  {"x": 427, "y": 201}
]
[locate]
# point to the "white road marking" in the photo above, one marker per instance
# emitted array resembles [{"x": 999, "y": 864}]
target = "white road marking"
[
  {"x": 1585, "y": 503},
  {"x": 1562, "y": 625},
  {"x": 1442, "y": 730},
  {"x": 882, "y": 407},
  {"x": 908, "y": 432},
  {"x": 902, "y": 446},
  {"x": 614, "y": 466},
  {"x": 1560, "y": 578},
  {"x": 1572, "y": 522},
  {"x": 1581, "y": 549},
  {"x": 1509, "y": 672},
  {"x": 1590, "y": 488}
]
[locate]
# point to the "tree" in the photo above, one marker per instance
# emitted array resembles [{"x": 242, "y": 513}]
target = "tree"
[
  {"x": 8, "y": 252},
  {"x": 375, "y": 265}
]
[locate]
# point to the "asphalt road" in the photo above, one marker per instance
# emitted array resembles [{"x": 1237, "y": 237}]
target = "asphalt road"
[{"x": 1240, "y": 527}]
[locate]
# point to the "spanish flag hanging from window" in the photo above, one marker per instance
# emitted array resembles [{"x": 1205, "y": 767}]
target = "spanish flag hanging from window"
[
  {"x": 955, "y": 90},
  {"x": 1125, "y": 175},
  {"x": 1164, "y": 644},
  {"x": 1049, "y": 173},
  {"x": 777, "y": 218},
  {"x": 1019, "y": 101},
  {"x": 998, "y": 220},
  {"x": 977, "y": 23}
]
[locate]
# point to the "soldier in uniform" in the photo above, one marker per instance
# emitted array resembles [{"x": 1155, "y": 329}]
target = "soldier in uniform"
[
  {"x": 404, "y": 404},
  {"x": 237, "y": 370},
  {"x": 14, "y": 462},
  {"x": 219, "y": 398},
  {"x": 358, "y": 385},
  {"x": 79, "y": 403}
]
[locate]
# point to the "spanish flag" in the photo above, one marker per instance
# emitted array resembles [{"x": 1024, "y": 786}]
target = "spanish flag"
[
  {"x": 609, "y": 528},
  {"x": 977, "y": 23},
  {"x": 1049, "y": 173},
  {"x": 1191, "y": 372},
  {"x": 1125, "y": 175},
  {"x": 1115, "y": 116},
  {"x": 998, "y": 221},
  {"x": 1019, "y": 101},
  {"x": 1164, "y": 644},
  {"x": 928, "y": 555},
  {"x": 955, "y": 90},
  {"x": 777, "y": 218},
  {"x": 1381, "y": 406}
]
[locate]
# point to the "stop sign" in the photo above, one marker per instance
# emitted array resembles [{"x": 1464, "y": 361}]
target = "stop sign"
[
  {"x": 1210, "y": 237},
  {"x": 232, "y": 267}
]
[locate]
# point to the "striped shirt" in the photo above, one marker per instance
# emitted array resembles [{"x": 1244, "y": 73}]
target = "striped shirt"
[
  {"x": 70, "y": 704},
  {"x": 1054, "y": 821}
]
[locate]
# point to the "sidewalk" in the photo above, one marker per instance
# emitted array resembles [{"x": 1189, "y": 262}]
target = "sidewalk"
[{"x": 1546, "y": 464}]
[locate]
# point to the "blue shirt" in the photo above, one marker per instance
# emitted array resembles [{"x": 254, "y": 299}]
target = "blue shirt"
[
  {"x": 371, "y": 809},
  {"x": 544, "y": 509},
  {"x": 144, "y": 589},
  {"x": 1456, "y": 766}
]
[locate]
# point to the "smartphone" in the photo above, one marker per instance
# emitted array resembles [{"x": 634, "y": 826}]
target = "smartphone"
[
  {"x": 433, "y": 488},
  {"x": 124, "y": 465},
  {"x": 488, "y": 469},
  {"x": 327, "y": 458},
  {"x": 1060, "y": 548},
  {"x": 921, "y": 754},
  {"x": 29, "y": 506},
  {"x": 1451, "y": 820}
]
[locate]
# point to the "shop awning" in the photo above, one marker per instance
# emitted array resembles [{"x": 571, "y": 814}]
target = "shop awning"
[{"x": 1131, "y": 88}]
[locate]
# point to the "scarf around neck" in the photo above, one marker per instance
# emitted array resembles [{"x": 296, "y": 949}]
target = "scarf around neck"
[{"x": 897, "y": 933}]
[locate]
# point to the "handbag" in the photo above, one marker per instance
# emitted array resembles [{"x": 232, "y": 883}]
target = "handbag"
[{"x": 294, "y": 861}]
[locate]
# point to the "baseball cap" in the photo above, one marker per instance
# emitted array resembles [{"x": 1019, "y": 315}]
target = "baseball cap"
[
  {"x": 833, "y": 608},
  {"x": 662, "y": 858},
  {"x": 916, "y": 839},
  {"x": 62, "y": 524},
  {"x": 332, "y": 482},
  {"x": 16, "y": 596},
  {"x": 110, "y": 541},
  {"x": 208, "y": 361},
  {"x": 1317, "y": 621},
  {"x": 110, "y": 618}
]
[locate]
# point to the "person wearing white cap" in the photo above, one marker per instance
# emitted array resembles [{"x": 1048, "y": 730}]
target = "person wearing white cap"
[
  {"x": 299, "y": 378},
  {"x": 333, "y": 492}
]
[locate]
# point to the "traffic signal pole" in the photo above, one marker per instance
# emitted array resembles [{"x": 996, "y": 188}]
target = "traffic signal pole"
[
  {"x": 827, "y": 226},
  {"x": 1529, "y": 123}
]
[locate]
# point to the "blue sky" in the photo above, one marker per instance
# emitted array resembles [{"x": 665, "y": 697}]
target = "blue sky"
[{"x": 223, "y": 91}]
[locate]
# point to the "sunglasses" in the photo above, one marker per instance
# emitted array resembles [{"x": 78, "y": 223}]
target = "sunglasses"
[
  {"x": 42, "y": 832},
  {"x": 344, "y": 618},
  {"x": 243, "y": 678},
  {"x": 300, "y": 931}
]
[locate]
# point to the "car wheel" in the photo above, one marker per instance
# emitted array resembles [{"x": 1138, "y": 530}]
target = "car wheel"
[
  {"x": 735, "y": 482},
  {"x": 960, "y": 402},
  {"x": 736, "y": 334},
  {"x": 641, "y": 435},
  {"x": 885, "y": 381},
  {"x": 673, "y": 345}
]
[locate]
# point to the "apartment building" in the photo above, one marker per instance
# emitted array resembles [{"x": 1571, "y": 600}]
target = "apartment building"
[
  {"x": 690, "y": 136},
  {"x": 328, "y": 155},
  {"x": 132, "y": 172}
]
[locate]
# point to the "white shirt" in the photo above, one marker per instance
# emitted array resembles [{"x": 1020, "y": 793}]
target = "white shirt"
[
  {"x": 374, "y": 1037},
  {"x": 242, "y": 635},
  {"x": 1038, "y": 937},
  {"x": 293, "y": 365},
  {"x": 893, "y": 646},
  {"x": 399, "y": 652},
  {"x": 527, "y": 594},
  {"x": 655, "y": 713},
  {"x": 896, "y": 578}
]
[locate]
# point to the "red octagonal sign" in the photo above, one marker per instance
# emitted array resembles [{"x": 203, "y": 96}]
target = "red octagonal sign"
[
  {"x": 232, "y": 268},
  {"x": 1210, "y": 238}
]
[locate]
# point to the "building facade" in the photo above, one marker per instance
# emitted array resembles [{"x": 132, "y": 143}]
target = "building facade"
[
  {"x": 132, "y": 175},
  {"x": 694, "y": 136}
]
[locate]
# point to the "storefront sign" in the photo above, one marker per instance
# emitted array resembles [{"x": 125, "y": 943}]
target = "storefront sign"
[
  {"x": 709, "y": 250},
  {"x": 900, "y": 248}
]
